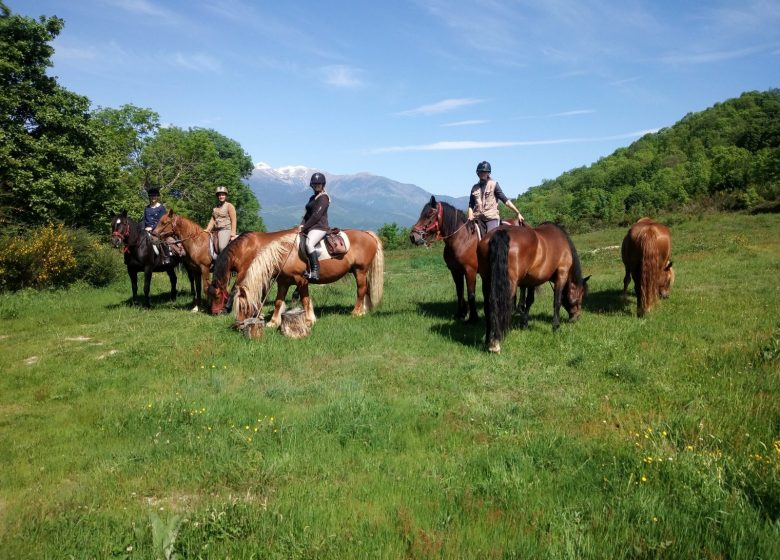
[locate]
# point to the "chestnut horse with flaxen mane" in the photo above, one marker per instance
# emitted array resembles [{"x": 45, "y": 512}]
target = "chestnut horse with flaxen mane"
[
  {"x": 646, "y": 252},
  {"x": 260, "y": 258},
  {"x": 511, "y": 257}
]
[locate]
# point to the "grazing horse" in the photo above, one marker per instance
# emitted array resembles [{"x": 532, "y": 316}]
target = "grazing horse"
[
  {"x": 460, "y": 249},
  {"x": 260, "y": 258},
  {"x": 195, "y": 242},
  {"x": 646, "y": 250},
  {"x": 140, "y": 255},
  {"x": 527, "y": 257}
]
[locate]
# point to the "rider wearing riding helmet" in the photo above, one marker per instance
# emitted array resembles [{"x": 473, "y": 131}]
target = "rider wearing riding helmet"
[
  {"x": 152, "y": 214},
  {"x": 485, "y": 195},
  {"x": 314, "y": 225},
  {"x": 223, "y": 219}
]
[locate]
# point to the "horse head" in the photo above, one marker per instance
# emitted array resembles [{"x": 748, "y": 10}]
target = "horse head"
[
  {"x": 665, "y": 281},
  {"x": 120, "y": 229},
  {"x": 166, "y": 227},
  {"x": 428, "y": 223},
  {"x": 573, "y": 295},
  {"x": 218, "y": 297}
]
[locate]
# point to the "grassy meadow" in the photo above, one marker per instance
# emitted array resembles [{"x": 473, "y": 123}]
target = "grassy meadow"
[{"x": 131, "y": 433}]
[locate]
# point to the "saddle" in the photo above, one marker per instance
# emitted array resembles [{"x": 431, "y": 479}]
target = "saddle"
[{"x": 335, "y": 239}]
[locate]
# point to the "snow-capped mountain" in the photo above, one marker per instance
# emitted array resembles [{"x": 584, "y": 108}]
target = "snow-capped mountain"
[{"x": 360, "y": 201}]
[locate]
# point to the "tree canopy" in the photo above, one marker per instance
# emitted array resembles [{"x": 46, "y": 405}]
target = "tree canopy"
[
  {"x": 61, "y": 161},
  {"x": 729, "y": 153}
]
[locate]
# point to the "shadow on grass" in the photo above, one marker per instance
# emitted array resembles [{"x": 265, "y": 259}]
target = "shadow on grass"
[{"x": 606, "y": 301}]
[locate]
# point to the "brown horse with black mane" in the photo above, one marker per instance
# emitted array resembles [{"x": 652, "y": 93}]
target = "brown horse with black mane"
[
  {"x": 444, "y": 221},
  {"x": 525, "y": 257},
  {"x": 646, "y": 252},
  {"x": 195, "y": 242},
  {"x": 260, "y": 258}
]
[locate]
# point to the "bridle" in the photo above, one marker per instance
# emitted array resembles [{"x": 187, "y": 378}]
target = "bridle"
[
  {"x": 173, "y": 224},
  {"x": 434, "y": 226},
  {"x": 122, "y": 233}
]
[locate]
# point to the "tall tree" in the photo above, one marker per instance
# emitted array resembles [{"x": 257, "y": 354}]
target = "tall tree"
[
  {"x": 187, "y": 166},
  {"x": 47, "y": 148}
]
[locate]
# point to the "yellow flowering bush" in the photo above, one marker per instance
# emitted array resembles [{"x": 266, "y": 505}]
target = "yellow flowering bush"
[{"x": 53, "y": 255}]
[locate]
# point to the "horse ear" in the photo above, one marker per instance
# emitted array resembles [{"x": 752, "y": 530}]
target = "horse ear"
[
  {"x": 585, "y": 280},
  {"x": 170, "y": 213},
  {"x": 433, "y": 201},
  {"x": 668, "y": 266},
  {"x": 124, "y": 213}
]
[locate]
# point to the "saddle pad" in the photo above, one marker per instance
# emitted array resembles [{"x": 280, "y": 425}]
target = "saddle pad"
[{"x": 321, "y": 249}]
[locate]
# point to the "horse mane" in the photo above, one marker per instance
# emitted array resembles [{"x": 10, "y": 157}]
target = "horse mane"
[
  {"x": 222, "y": 264},
  {"x": 269, "y": 259},
  {"x": 576, "y": 268},
  {"x": 451, "y": 216}
]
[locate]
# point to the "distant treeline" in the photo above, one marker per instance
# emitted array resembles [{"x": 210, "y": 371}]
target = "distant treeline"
[{"x": 727, "y": 156}]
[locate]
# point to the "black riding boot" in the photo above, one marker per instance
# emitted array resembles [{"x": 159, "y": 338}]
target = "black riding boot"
[
  {"x": 166, "y": 253},
  {"x": 314, "y": 267}
]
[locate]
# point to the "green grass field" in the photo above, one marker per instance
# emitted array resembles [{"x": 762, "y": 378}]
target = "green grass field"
[{"x": 131, "y": 433}]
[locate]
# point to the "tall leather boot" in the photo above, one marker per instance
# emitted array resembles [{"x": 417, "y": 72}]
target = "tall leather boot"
[{"x": 314, "y": 267}]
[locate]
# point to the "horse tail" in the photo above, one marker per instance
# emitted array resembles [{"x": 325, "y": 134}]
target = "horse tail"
[
  {"x": 500, "y": 305},
  {"x": 650, "y": 255},
  {"x": 265, "y": 266},
  {"x": 376, "y": 275}
]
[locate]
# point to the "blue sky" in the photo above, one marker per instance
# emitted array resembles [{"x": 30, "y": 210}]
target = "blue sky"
[{"x": 418, "y": 91}]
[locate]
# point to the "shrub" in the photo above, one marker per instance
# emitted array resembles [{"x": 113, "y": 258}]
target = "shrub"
[{"x": 53, "y": 256}]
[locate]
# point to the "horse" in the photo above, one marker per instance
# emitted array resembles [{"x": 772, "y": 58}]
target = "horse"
[
  {"x": 460, "y": 249},
  {"x": 646, "y": 252},
  {"x": 140, "y": 255},
  {"x": 195, "y": 241},
  {"x": 260, "y": 258},
  {"x": 526, "y": 257}
]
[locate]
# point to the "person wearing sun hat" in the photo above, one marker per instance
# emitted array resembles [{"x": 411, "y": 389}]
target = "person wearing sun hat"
[{"x": 223, "y": 219}]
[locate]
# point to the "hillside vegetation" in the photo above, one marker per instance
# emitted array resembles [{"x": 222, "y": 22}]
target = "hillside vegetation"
[
  {"x": 139, "y": 434},
  {"x": 727, "y": 156}
]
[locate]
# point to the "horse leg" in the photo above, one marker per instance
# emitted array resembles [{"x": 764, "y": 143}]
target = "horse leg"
[
  {"x": 557, "y": 296},
  {"x": 308, "y": 307},
  {"x": 172, "y": 277},
  {"x": 626, "y": 282},
  {"x": 457, "y": 277},
  {"x": 362, "y": 288},
  {"x": 133, "y": 284},
  {"x": 471, "y": 289},
  {"x": 527, "y": 300},
  {"x": 281, "y": 293},
  {"x": 147, "y": 285}
]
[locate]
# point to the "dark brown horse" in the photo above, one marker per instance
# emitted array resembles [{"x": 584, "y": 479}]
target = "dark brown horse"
[
  {"x": 140, "y": 256},
  {"x": 646, "y": 250},
  {"x": 195, "y": 242},
  {"x": 439, "y": 220},
  {"x": 525, "y": 257},
  {"x": 260, "y": 258}
]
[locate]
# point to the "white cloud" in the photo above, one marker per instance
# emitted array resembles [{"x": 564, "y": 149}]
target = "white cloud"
[
  {"x": 709, "y": 57},
  {"x": 465, "y": 123},
  {"x": 197, "y": 62},
  {"x": 143, "y": 7},
  {"x": 474, "y": 145},
  {"x": 441, "y": 106},
  {"x": 339, "y": 75}
]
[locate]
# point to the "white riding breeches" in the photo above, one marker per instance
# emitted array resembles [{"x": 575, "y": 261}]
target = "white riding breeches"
[{"x": 312, "y": 238}]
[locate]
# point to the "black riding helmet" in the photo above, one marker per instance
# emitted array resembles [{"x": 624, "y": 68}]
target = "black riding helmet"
[
  {"x": 483, "y": 166},
  {"x": 317, "y": 179},
  {"x": 154, "y": 191}
]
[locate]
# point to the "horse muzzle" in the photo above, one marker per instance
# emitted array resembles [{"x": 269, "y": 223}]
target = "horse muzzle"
[{"x": 417, "y": 238}]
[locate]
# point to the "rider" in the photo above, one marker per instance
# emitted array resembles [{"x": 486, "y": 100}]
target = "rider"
[
  {"x": 314, "y": 225},
  {"x": 152, "y": 214},
  {"x": 483, "y": 204},
  {"x": 223, "y": 219}
]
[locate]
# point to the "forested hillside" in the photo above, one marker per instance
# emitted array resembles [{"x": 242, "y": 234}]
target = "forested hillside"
[{"x": 727, "y": 156}]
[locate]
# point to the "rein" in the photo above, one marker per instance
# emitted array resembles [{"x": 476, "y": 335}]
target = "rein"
[
  {"x": 123, "y": 233},
  {"x": 173, "y": 225},
  {"x": 435, "y": 226}
]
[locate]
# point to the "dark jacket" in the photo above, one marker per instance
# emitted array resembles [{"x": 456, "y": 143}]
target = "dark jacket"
[
  {"x": 316, "y": 216},
  {"x": 153, "y": 215}
]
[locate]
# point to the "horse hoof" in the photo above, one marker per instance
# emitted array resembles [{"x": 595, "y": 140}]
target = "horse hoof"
[
  {"x": 194, "y": 309},
  {"x": 494, "y": 347}
]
